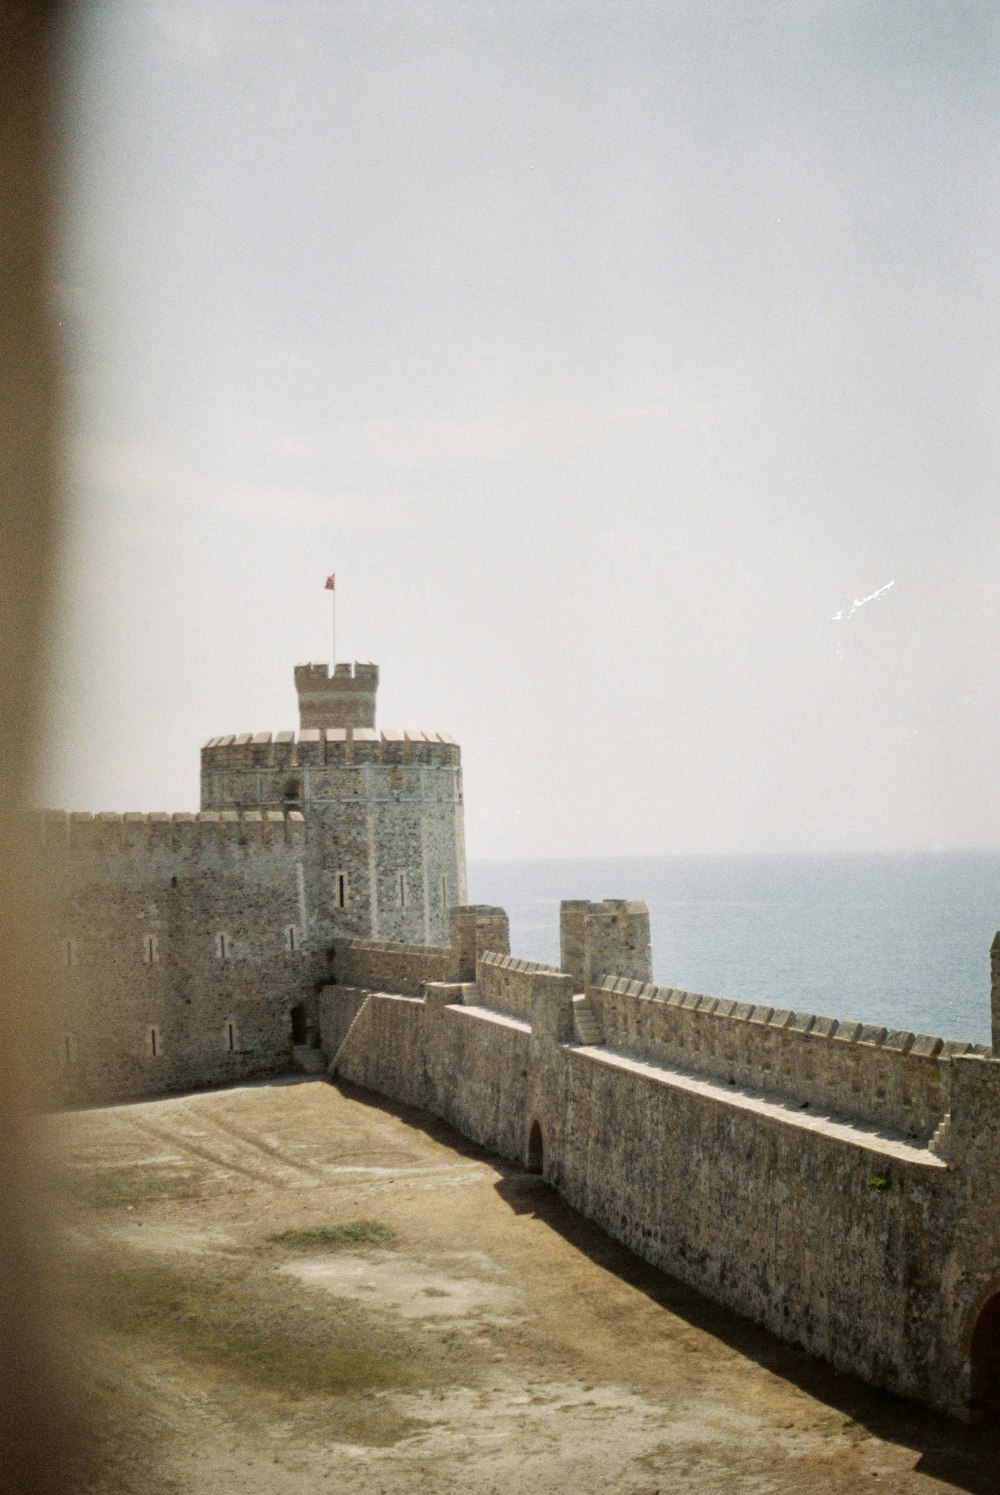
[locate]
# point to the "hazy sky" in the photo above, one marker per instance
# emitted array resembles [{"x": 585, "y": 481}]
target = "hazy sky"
[{"x": 607, "y": 350}]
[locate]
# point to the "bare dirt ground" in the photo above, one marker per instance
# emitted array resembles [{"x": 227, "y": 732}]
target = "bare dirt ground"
[{"x": 299, "y": 1288}]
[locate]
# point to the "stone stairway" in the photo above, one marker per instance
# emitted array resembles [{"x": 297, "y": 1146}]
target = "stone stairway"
[
  {"x": 939, "y": 1142},
  {"x": 331, "y": 1068},
  {"x": 308, "y": 1059},
  {"x": 585, "y": 1027}
]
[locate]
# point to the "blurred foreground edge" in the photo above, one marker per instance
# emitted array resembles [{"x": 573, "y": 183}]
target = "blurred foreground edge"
[{"x": 38, "y": 1444}]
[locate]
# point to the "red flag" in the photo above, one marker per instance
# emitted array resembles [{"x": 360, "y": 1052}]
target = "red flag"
[{"x": 328, "y": 585}]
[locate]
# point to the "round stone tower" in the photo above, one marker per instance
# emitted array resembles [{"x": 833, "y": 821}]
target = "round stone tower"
[{"x": 385, "y": 842}]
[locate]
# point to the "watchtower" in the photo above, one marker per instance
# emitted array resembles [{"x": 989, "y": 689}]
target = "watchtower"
[
  {"x": 385, "y": 842},
  {"x": 344, "y": 699}
]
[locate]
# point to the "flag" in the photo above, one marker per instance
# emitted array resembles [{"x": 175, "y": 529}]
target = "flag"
[{"x": 328, "y": 585}]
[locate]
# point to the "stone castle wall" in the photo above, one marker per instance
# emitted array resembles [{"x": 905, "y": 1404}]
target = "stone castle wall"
[
  {"x": 176, "y": 929},
  {"x": 835, "y": 1183},
  {"x": 178, "y": 949},
  {"x": 399, "y": 967},
  {"x": 379, "y": 965},
  {"x": 459, "y": 1061}
]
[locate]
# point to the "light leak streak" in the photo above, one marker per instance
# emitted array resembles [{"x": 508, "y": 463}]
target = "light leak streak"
[{"x": 860, "y": 602}]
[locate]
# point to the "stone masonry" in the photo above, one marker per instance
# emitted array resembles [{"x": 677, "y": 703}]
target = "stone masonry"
[
  {"x": 833, "y": 1181},
  {"x": 188, "y": 950},
  {"x": 178, "y": 949},
  {"x": 386, "y": 845}
]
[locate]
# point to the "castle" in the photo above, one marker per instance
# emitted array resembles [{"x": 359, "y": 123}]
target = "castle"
[
  {"x": 189, "y": 949},
  {"x": 833, "y": 1181}
]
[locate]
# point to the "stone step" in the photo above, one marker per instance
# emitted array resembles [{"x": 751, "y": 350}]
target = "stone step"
[
  {"x": 585, "y": 1028},
  {"x": 309, "y": 1060},
  {"x": 939, "y": 1142}
]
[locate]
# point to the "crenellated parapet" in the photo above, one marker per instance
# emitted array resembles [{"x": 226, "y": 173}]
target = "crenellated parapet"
[
  {"x": 892, "y": 1079},
  {"x": 389, "y": 965},
  {"x": 333, "y": 746},
  {"x": 505, "y": 983},
  {"x": 896, "y": 1079},
  {"x": 398, "y": 966},
  {"x": 80, "y": 832}
]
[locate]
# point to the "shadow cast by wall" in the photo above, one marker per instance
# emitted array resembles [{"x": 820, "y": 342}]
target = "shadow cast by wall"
[
  {"x": 431, "y": 1126},
  {"x": 966, "y": 1458}
]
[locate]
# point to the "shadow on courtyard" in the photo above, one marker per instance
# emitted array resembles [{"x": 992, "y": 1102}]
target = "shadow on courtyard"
[{"x": 966, "y": 1458}]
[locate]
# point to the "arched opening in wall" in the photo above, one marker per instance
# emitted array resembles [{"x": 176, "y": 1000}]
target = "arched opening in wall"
[
  {"x": 299, "y": 1030},
  {"x": 536, "y": 1149},
  {"x": 984, "y": 1365},
  {"x": 292, "y": 792}
]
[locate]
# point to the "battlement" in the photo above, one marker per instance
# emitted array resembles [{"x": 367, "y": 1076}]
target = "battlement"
[
  {"x": 497, "y": 962},
  {"x": 595, "y": 938},
  {"x": 821, "y": 1177},
  {"x": 80, "y": 832},
  {"x": 396, "y": 966},
  {"x": 392, "y": 965},
  {"x": 329, "y": 745},
  {"x": 890, "y": 1078},
  {"x": 505, "y": 983},
  {"x": 344, "y": 699}
]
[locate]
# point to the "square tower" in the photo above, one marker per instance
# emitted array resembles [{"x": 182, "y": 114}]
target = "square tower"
[{"x": 344, "y": 699}]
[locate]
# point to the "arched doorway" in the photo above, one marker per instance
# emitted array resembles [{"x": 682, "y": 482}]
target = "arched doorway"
[
  {"x": 300, "y": 1026},
  {"x": 536, "y": 1149},
  {"x": 984, "y": 1365}
]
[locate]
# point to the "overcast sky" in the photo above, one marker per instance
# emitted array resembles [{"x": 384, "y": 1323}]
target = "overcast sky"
[{"x": 610, "y": 352}]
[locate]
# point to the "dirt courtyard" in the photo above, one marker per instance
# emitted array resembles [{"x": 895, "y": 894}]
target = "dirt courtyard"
[{"x": 296, "y": 1287}]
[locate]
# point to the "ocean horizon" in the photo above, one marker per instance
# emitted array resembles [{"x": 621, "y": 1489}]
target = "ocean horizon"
[{"x": 900, "y": 939}]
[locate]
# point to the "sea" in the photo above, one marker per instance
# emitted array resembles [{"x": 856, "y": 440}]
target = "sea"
[{"x": 901, "y": 940}]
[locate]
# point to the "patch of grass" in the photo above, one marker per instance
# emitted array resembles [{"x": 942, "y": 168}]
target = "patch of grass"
[
  {"x": 224, "y": 1328},
  {"x": 337, "y": 1237},
  {"x": 832, "y": 1423},
  {"x": 376, "y": 1425},
  {"x": 114, "y": 1187},
  {"x": 302, "y": 1369}
]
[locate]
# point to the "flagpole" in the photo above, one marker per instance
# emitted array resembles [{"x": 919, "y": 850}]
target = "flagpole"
[{"x": 330, "y": 585}]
